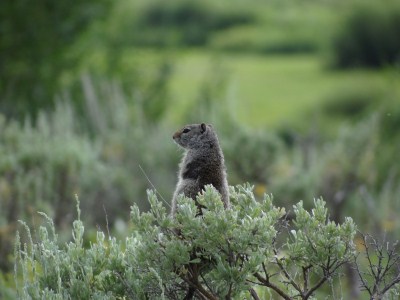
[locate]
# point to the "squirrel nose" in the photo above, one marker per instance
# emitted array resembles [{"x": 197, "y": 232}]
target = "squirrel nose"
[{"x": 176, "y": 135}]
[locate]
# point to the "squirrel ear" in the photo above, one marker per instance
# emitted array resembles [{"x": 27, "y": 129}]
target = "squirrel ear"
[{"x": 203, "y": 127}]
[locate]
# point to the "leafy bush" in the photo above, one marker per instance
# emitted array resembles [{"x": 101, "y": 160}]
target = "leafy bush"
[
  {"x": 369, "y": 37},
  {"x": 351, "y": 103},
  {"x": 350, "y": 171},
  {"x": 42, "y": 166},
  {"x": 222, "y": 254},
  {"x": 252, "y": 155}
]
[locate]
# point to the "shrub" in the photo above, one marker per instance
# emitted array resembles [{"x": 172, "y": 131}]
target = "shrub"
[
  {"x": 252, "y": 155},
  {"x": 355, "y": 172},
  {"x": 222, "y": 254},
  {"x": 43, "y": 165},
  {"x": 369, "y": 37},
  {"x": 351, "y": 103}
]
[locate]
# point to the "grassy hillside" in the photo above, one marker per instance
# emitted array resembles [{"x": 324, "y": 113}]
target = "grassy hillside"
[{"x": 272, "y": 90}]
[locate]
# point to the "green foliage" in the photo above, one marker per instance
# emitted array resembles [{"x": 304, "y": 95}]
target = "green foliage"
[
  {"x": 369, "y": 37},
  {"x": 7, "y": 287},
  {"x": 351, "y": 103},
  {"x": 36, "y": 43},
  {"x": 230, "y": 249},
  {"x": 350, "y": 171},
  {"x": 245, "y": 145},
  {"x": 67, "y": 40},
  {"x": 103, "y": 167},
  {"x": 42, "y": 166},
  {"x": 217, "y": 237}
]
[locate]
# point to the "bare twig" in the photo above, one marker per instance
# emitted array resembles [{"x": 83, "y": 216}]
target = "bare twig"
[
  {"x": 152, "y": 185},
  {"x": 108, "y": 228},
  {"x": 267, "y": 283},
  {"x": 385, "y": 273},
  {"x": 253, "y": 293}
]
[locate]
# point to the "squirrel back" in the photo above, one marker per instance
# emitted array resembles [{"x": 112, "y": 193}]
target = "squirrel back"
[{"x": 202, "y": 164}]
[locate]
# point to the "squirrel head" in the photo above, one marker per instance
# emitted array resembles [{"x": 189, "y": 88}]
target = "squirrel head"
[{"x": 195, "y": 136}]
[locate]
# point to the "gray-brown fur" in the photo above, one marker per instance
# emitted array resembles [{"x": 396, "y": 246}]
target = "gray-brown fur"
[{"x": 202, "y": 164}]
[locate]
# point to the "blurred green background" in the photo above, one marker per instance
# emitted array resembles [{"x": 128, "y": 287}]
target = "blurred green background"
[{"x": 305, "y": 96}]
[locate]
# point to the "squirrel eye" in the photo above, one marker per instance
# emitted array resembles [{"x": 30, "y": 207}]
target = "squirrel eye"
[{"x": 186, "y": 130}]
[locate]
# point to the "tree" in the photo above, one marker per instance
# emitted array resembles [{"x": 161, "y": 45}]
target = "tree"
[{"x": 35, "y": 44}]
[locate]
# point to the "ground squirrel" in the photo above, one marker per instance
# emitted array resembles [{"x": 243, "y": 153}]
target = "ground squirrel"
[{"x": 202, "y": 164}]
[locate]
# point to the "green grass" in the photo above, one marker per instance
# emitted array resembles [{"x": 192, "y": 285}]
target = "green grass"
[
  {"x": 265, "y": 89},
  {"x": 268, "y": 90}
]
